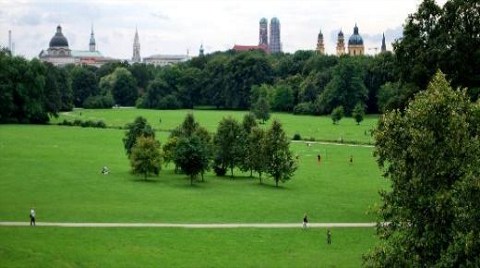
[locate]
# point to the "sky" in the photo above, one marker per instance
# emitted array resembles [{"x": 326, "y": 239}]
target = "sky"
[{"x": 181, "y": 26}]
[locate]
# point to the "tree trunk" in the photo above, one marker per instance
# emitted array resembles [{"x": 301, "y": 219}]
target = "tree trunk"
[
  {"x": 145, "y": 175},
  {"x": 251, "y": 173},
  {"x": 191, "y": 180},
  {"x": 231, "y": 172},
  {"x": 202, "y": 177},
  {"x": 276, "y": 182}
]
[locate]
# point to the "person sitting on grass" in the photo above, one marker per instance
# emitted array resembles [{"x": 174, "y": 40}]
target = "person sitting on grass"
[{"x": 105, "y": 170}]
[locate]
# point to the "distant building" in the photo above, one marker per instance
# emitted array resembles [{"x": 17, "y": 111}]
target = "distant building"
[
  {"x": 384, "y": 46},
  {"x": 263, "y": 33},
  {"x": 355, "y": 43},
  {"x": 59, "y": 53},
  {"x": 201, "y": 51},
  {"x": 164, "y": 60},
  {"x": 91, "y": 44},
  {"x": 275, "y": 46},
  {"x": 262, "y": 47},
  {"x": 340, "y": 44},
  {"x": 320, "y": 46},
  {"x": 136, "y": 48}
]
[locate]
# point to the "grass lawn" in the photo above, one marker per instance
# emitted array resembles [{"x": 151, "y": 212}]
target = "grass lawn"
[
  {"x": 317, "y": 127},
  {"x": 145, "y": 247},
  {"x": 57, "y": 170}
]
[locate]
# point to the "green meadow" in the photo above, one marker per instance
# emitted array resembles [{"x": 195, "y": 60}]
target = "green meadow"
[
  {"x": 316, "y": 127},
  {"x": 56, "y": 169}
]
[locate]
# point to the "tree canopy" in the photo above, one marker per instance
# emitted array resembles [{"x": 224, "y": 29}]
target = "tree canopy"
[
  {"x": 430, "y": 153},
  {"x": 146, "y": 157},
  {"x": 280, "y": 164},
  {"x": 138, "y": 128}
]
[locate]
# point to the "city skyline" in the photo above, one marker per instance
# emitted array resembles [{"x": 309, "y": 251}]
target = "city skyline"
[{"x": 173, "y": 27}]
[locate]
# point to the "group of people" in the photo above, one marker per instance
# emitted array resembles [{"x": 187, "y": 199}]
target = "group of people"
[{"x": 305, "y": 223}]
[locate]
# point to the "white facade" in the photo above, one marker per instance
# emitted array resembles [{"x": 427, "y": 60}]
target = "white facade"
[{"x": 164, "y": 60}]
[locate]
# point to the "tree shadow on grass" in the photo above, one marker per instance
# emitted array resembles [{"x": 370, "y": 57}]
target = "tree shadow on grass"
[
  {"x": 271, "y": 185},
  {"x": 237, "y": 178},
  {"x": 148, "y": 180}
]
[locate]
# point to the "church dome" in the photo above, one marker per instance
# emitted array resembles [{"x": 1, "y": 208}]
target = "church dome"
[
  {"x": 59, "y": 40},
  {"x": 263, "y": 21},
  {"x": 355, "y": 39}
]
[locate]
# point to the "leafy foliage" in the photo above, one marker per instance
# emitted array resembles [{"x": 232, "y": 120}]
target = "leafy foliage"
[
  {"x": 358, "y": 113},
  {"x": 146, "y": 157},
  {"x": 30, "y": 90},
  {"x": 261, "y": 109},
  {"x": 337, "y": 114},
  {"x": 192, "y": 156},
  {"x": 430, "y": 154},
  {"x": 138, "y": 128},
  {"x": 279, "y": 162},
  {"x": 445, "y": 38},
  {"x": 190, "y": 147},
  {"x": 229, "y": 144}
]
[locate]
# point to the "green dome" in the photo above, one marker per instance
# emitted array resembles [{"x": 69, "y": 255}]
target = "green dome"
[
  {"x": 355, "y": 39},
  {"x": 59, "y": 40}
]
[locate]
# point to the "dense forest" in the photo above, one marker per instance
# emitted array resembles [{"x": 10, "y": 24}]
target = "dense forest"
[{"x": 303, "y": 82}]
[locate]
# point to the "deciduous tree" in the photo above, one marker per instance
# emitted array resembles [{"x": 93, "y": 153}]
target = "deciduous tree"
[
  {"x": 146, "y": 157},
  {"x": 228, "y": 143},
  {"x": 337, "y": 114},
  {"x": 429, "y": 152},
  {"x": 279, "y": 162},
  {"x": 358, "y": 113},
  {"x": 138, "y": 128}
]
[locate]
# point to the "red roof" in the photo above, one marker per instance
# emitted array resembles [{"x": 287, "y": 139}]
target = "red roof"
[{"x": 249, "y": 48}]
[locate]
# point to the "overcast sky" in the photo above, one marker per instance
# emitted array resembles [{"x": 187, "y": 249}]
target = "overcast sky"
[{"x": 175, "y": 27}]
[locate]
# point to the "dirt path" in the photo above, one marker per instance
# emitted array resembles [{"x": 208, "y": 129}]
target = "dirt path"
[
  {"x": 190, "y": 225},
  {"x": 334, "y": 143}
]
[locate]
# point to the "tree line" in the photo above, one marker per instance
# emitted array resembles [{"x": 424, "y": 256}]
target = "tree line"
[
  {"x": 430, "y": 150},
  {"x": 303, "y": 82},
  {"x": 194, "y": 151}
]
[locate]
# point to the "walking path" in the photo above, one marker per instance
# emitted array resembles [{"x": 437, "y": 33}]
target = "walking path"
[
  {"x": 334, "y": 143},
  {"x": 190, "y": 225}
]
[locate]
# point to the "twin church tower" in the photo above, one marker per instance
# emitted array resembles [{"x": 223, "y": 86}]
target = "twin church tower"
[{"x": 274, "y": 45}]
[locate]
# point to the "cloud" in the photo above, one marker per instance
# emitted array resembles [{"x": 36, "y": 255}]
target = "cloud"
[{"x": 160, "y": 16}]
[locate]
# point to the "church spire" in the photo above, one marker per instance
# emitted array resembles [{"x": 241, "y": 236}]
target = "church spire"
[
  {"x": 92, "y": 41},
  {"x": 320, "y": 45},
  {"x": 384, "y": 46},
  {"x": 136, "y": 47}
]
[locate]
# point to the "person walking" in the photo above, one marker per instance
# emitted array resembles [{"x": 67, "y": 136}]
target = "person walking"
[
  {"x": 305, "y": 221},
  {"x": 32, "y": 217},
  {"x": 329, "y": 237}
]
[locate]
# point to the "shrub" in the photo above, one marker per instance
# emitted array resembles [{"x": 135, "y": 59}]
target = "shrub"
[
  {"x": 77, "y": 122},
  {"x": 304, "y": 108},
  {"x": 219, "y": 170},
  {"x": 297, "y": 137},
  {"x": 100, "y": 124}
]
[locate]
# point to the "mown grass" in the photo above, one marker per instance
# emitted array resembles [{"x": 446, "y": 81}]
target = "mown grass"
[
  {"x": 309, "y": 127},
  {"x": 151, "y": 247},
  {"x": 57, "y": 170}
]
